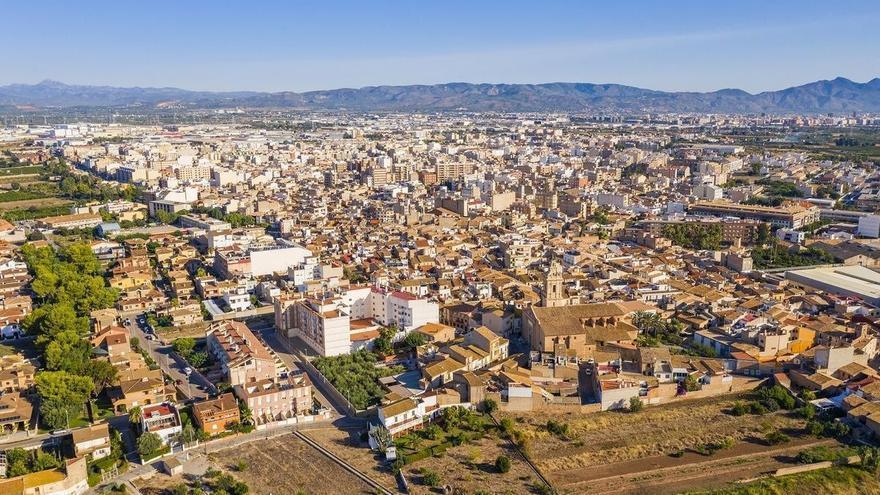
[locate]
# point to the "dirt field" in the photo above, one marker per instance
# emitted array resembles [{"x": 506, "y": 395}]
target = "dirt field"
[
  {"x": 11, "y": 205},
  {"x": 620, "y": 443},
  {"x": 468, "y": 467},
  {"x": 285, "y": 465}
]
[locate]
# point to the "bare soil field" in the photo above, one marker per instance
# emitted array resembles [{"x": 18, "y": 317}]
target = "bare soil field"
[
  {"x": 11, "y": 205},
  {"x": 607, "y": 444},
  {"x": 285, "y": 465},
  {"x": 468, "y": 467}
]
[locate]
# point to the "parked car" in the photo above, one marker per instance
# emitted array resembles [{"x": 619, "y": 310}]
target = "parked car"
[{"x": 188, "y": 371}]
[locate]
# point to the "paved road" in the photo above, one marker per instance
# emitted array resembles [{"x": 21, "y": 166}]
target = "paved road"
[
  {"x": 195, "y": 386},
  {"x": 267, "y": 332}
]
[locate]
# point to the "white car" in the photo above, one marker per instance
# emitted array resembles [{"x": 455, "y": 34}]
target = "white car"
[{"x": 187, "y": 371}]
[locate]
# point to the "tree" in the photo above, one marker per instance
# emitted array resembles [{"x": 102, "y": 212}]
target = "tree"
[
  {"x": 247, "y": 417},
  {"x": 502, "y": 464},
  {"x": 184, "y": 346},
  {"x": 490, "y": 406},
  {"x": 413, "y": 340},
  {"x": 62, "y": 396},
  {"x": 148, "y": 445},
  {"x": 762, "y": 236},
  {"x": 134, "y": 415},
  {"x": 691, "y": 383},
  {"x": 102, "y": 374}
]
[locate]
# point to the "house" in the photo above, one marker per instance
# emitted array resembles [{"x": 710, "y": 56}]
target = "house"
[
  {"x": 242, "y": 356},
  {"x": 92, "y": 440},
  {"x": 271, "y": 401},
  {"x": 161, "y": 419},
  {"x": 72, "y": 479},
  {"x": 436, "y": 332},
  {"x": 16, "y": 413},
  {"x": 145, "y": 387},
  {"x": 215, "y": 416},
  {"x": 402, "y": 415}
]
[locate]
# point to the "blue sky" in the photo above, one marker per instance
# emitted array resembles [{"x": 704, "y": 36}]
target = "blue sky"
[{"x": 304, "y": 45}]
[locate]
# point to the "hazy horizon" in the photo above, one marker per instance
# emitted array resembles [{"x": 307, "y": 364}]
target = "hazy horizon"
[{"x": 278, "y": 46}]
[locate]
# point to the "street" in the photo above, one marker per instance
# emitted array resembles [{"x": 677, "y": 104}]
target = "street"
[
  {"x": 266, "y": 331},
  {"x": 193, "y": 387}
]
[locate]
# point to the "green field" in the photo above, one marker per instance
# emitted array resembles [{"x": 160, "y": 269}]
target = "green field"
[{"x": 28, "y": 170}]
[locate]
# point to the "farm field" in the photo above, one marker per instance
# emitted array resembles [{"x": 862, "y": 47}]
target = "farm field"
[
  {"x": 468, "y": 467},
  {"x": 609, "y": 444},
  {"x": 32, "y": 203},
  {"x": 287, "y": 465}
]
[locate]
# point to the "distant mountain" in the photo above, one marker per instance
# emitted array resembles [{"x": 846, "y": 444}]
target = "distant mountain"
[{"x": 837, "y": 95}]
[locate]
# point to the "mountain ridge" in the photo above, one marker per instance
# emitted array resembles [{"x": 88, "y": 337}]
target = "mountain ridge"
[{"x": 835, "y": 95}]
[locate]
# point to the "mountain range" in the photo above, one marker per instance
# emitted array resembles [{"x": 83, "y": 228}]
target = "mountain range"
[{"x": 836, "y": 95}]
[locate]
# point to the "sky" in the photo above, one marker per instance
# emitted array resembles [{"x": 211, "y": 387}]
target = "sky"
[{"x": 227, "y": 45}]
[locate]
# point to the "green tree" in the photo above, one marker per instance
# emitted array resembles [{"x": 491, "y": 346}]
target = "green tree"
[
  {"x": 102, "y": 374},
  {"x": 184, "y": 346},
  {"x": 502, "y": 463},
  {"x": 62, "y": 396},
  {"x": 148, "y": 445},
  {"x": 413, "y": 340}
]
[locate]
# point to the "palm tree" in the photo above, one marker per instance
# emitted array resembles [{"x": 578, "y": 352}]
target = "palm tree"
[
  {"x": 247, "y": 416},
  {"x": 134, "y": 415}
]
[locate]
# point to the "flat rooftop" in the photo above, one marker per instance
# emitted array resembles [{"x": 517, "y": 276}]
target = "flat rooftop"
[{"x": 851, "y": 281}]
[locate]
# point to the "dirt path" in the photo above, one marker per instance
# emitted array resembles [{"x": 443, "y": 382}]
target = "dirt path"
[{"x": 666, "y": 474}]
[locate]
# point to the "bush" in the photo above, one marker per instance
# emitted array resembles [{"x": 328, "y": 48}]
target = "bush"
[
  {"x": 777, "y": 393},
  {"x": 776, "y": 437},
  {"x": 771, "y": 405},
  {"x": 739, "y": 409},
  {"x": 502, "y": 464},
  {"x": 489, "y": 406},
  {"x": 430, "y": 478},
  {"x": 807, "y": 412},
  {"x": 824, "y": 453},
  {"x": 543, "y": 488},
  {"x": 758, "y": 408},
  {"x": 636, "y": 404},
  {"x": 557, "y": 428}
]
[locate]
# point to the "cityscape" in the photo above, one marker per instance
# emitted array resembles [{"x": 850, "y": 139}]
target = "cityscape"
[{"x": 375, "y": 281}]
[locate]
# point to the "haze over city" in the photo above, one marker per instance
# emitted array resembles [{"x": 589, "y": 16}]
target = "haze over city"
[{"x": 300, "y": 46}]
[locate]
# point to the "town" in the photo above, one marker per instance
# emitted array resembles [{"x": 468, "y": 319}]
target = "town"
[{"x": 557, "y": 304}]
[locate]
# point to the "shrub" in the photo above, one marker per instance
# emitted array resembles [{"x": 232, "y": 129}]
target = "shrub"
[
  {"x": 543, "y": 488},
  {"x": 776, "y": 437},
  {"x": 502, "y": 464},
  {"x": 557, "y": 428},
  {"x": 490, "y": 406},
  {"x": 430, "y": 478},
  {"x": 770, "y": 404},
  {"x": 739, "y": 409},
  {"x": 636, "y": 404},
  {"x": 807, "y": 412},
  {"x": 777, "y": 393},
  {"x": 758, "y": 408}
]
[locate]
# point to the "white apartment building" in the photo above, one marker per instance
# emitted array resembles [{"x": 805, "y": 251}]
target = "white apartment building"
[{"x": 325, "y": 324}]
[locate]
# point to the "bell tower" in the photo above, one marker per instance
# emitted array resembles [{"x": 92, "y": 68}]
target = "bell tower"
[{"x": 554, "y": 291}]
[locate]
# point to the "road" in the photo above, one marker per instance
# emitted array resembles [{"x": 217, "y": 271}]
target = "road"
[
  {"x": 193, "y": 387},
  {"x": 266, "y": 332}
]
